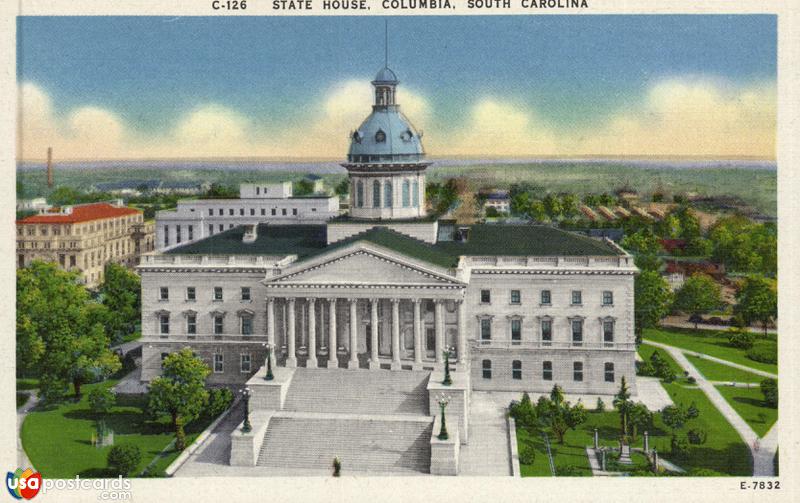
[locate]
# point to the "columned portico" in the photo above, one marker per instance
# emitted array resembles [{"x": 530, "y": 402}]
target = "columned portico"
[
  {"x": 396, "y": 334},
  {"x": 353, "y": 362},
  {"x": 291, "y": 357},
  {"x": 374, "y": 362},
  {"x": 333, "y": 361},
  {"x": 312, "y": 333}
]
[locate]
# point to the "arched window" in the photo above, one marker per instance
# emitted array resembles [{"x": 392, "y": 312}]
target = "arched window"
[
  {"x": 415, "y": 193},
  {"x": 387, "y": 194},
  {"x": 406, "y": 194},
  {"x": 376, "y": 194},
  {"x": 360, "y": 194}
]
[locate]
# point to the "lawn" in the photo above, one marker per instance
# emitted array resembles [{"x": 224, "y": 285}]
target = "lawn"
[
  {"x": 714, "y": 371},
  {"x": 710, "y": 342},
  {"x": 27, "y": 383},
  {"x": 749, "y": 403},
  {"x": 646, "y": 351},
  {"x": 58, "y": 440}
]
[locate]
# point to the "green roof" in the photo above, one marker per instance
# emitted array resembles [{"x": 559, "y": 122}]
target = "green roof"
[{"x": 300, "y": 240}]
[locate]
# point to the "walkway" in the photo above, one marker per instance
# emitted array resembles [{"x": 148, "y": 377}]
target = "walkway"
[
  {"x": 680, "y": 322},
  {"x": 762, "y": 458},
  {"x": 487, "y": 453},
  {"x": 22, "y": 412},
  {"x": 712, "y": 358}
]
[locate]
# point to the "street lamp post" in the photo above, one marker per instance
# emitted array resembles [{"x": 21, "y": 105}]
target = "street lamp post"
[
  {"x": 447, "y": 380},
  {"x": 269, "y": 375},
  {"x": 246, "y": 428},
  {"x": 443, "y": 401}
]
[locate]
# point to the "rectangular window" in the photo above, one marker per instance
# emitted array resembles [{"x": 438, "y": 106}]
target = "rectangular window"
[
  {"x": 263, "y": 212},
  {"x": 608, "y": 331},
  {"x": 163, "y": 293},
  {"x": 191, "y": 293},
  {"x": 577, "y": 332},
  {"x": 283, "y": 211},
  {"x": 274, "y": 212},
  {"x": 547, "y": 332},
  {"x": 245, "y": 363},
  {"x": 486, "y": 296},
  {"x": 230, "y": 211},
  {"x": 164, "y": 324},
  {"x": 210, "y": 229},
  {"x": 219, "y": 364},
  {"x": 294, "y": 211},
  {"x": 191, "y": 232},
  {"x": 608, "y": 298},
  {"x": 211, "y": 212},
  {"x": 577, "y": 371},
  {"x": 546, "y": 297},
  {"x": 245, "y": 293},
  {"x": 217, "y": 293},
  {"x": 547, "y": 371},
  {"x": 247, "y": 325},
  {"x": 177, "y": 233},
  {"x": 166, "y": 235},
  {"x": 252, "y": 212},
  {"x": 241, "y": 212},
  {"x": 191, "y": 324},
  {"x": 577, "y": 298},
  {"x": 72, "y": 261},
  {"x": 218, "y": 325},
  {"x": 516, "y": 298},
  {"x": 486, "y": 329},
  {"x": 516, "y": 331},
  {"x": 516, "y": 369},
  {"x": 21, "y": 260},
  {"x": 487, "y": 369},
  {"x": 221, "y": 227},
  {"x": 609, "y": 372}
]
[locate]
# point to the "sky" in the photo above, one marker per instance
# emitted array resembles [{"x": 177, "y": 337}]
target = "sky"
[{"x": 478, "y": 86}]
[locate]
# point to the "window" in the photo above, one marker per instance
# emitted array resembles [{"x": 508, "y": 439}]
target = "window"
[
  {"x": 487, "y": 369},
  {"x": 283, "y": 211},
  {"x": 577, "y": 371},
  {"x": 244, "y": 364},
  {"x": 164, "y": 324},
  {"x": 387, "y": 195},
  {"x": 218, "y": 324},
  {"x": 516, "y": 331},
  {"x": 547, "y": 371},
  {"x": 191, "y": 232},
  {"x": 221, "y": 227},
  {"x": 486, "y": 329},
  {"x": 258, "y": 190},
  {"x": 547, "y": 332},
  {"x": 247, "y": 325},
  {"x": 166, "y": 235},
  {"x": 211, "y": 212},
  {"x": 245, "y": 293},
  {"x": 486, "y": 296},
  {"x": 577, "y": 332},
  {"x": 177, "y": 233},
  {"x": 415, "y": 194},
  {"x": 230, "y": 211},
  {"x": 609, "y": 372},
  {"x": 219, "y": 364},
  {"x": 608, "y": 331},
  {"x": 608, "y": 298},
  {"x": 217, "y": 293},
  {"x": 72, "y": 261},
  {"x": 545, "y": 297},
  {"x": 294, "y": 211},
  {"x": 360, "y": 194},
  {"x": 515, "y": 297},
  {"x": 163, "y": 357},
  {"x": 516, "y": 369},
  {"x": 576, "y": 298},
  {"x": 191, "y": 324},
  {"x": 406, "y": 194},
  {"x": 252, "y": 212},
  {"x": 210, "y": 229},
  {"x": 274, "y": 211},
  {"x": 163, "y": 293},
  {"x": 263, "y": 212},
  {"x": 21, "y": 260}
]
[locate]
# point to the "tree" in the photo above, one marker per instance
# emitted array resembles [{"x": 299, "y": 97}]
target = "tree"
[
  {"x": 652, "y": 300},
  {"x": 569, "y": 205},
  {"x": 303, "y": 187},
  {"x": 645, "y": 247},
  {"x": 622, "y": 402},
  {"x": 60, "y": 334},
  {"x": 101, "y": 399},
  {"x": 675, "y": 417},
  {"x": 641, "y": 419},
  {"x": 552, "y": 206},
  {"x": 745, "y": 246},
  {"x": 121, "y": 295},
  {"x": 180, "y": 392},
  {"x": 559, "y": 415},
  {"x": 757, "y": 301},
  {"x": 219, "y": 191},
  {"x": 124, "y": 458},
  {"x": 698, "y": 295},
  {"x": 769, "y": 388},
  {"x": 342, "y": 188}
]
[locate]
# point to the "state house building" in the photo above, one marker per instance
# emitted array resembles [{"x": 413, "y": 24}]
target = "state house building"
[{"x": 388, "y": 287}]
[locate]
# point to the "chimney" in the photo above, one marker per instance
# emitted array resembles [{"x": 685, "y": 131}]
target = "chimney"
[{"x": 50, "y": 167}]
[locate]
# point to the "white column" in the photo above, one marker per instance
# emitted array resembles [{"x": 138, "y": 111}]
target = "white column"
[
  {"x": 271, "y": 328},
  {"x": 417, "y": 335},
  {"x": 373, "y": 357},
  {"x": 462, "y": 335},
  {"x": 312, "y": 333},
  {"x": 395, "y": 334},
  {"x": 353, "y": 363},
  {"x": 333, "y": 361},
  {"x": 439, "y": 327},
  {"x": 291, "y": 357}
]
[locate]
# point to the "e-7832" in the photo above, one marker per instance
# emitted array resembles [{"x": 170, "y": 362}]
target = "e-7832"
[{"x": 757, "y": 485}]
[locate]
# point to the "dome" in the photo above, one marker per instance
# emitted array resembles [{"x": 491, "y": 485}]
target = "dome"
[
  {"x": 386, "y": 75},
  {"x": 386, "y": 132}
]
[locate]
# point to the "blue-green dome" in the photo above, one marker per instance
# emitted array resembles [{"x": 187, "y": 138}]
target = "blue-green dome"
[{"x": 385, "y": 136}]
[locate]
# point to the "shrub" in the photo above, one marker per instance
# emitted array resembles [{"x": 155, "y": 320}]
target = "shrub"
[
  {"x": 668, "y": 378},
  {"x": 692, "y": 380},
  {"x": 696, "y": 436},
  {"x": 526, "y": 455},
  {"x": 101, "y": 399},
  {"x": 219, "y": 400},
  {"x": 679, "y": 445},
  {"x": 741, "y": 339},
  {"x": 764, "y": 352},
  {"x": 692, "y": 412},
  {"x": 769, "y": 388},
  {"x": 645, "y": 369},
  {"x": 600, "y": 407},
  {"x": 124, "y": 458}
]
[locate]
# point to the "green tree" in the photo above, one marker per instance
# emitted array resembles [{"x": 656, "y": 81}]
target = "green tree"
[
  {"x": 219, "y": 191},
  {"x": 60, "y": 335},
  {"x": 622, "y": 402},
  {"x": 101, "y": 399},
  {"x": 180, "y": 392},
  {"x": 124, "y": 458},
  {"x": 641, "y": 419},
  {"x": 675, "y": 417},
  {"x": 121, "y": 295},
  {"x": 698, "y": 295},
  {"x": 552, "y": 206},
  {"x": 569, "y": 205},
  {"x": 342, "y": 188},
  {"x": 303, "y": 187},
  {"x": 769, "y": 388},
  {"x": 645, "y": 247},
  {"x": 652, "y": 300},
  {"x": 559, "y": 415},
  {"x": 757, "y": 301}
]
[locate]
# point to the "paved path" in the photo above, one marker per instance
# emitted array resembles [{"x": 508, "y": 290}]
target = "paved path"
[
  {"x": 22, "y": 412},
  {"x": 680, "y": 322},
  {"x": 712, "y": 358},
  {"x": 762, "y": 457},
  {"x": 487, "y": 453}
]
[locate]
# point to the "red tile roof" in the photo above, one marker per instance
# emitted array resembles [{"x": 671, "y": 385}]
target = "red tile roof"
[{"x": 83, "y": 213}]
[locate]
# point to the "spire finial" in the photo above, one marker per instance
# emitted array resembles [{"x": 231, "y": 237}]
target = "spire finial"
[{"x": 386, "y": 43}]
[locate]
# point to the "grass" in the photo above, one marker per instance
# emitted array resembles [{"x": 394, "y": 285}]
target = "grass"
[
  {"x": 749, "y": 403},
  {"x": 710, "y": 342},
  {"x": 714, "y": 371},
  {"x": 58, "y": 439},
  {"x": 646, "y": 351},
  {"x": 27, "y": 383}
]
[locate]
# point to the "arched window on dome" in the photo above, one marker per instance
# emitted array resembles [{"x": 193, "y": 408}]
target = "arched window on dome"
[
  {"x": 376, "y": 194},
  {"x": 360, "y": 194},
  {"x": 415, "y": 192},
  {"x": 387, "y": 194},
  {"x": 406, "y": 194}
]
